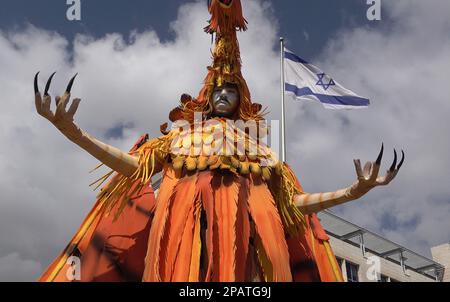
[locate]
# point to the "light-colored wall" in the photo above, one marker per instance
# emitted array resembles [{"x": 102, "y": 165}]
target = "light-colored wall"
[
  {"x": 354, "y": 255},
  {"x": 441, "y": 254}
]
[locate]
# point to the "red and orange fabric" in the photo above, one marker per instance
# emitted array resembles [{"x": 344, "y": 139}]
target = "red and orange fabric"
[{"x": 208, "y": 226}]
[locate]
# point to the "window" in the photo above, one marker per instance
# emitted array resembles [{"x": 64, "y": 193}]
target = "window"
[
  {"x": 352, "y": 272},
  {"x": 339, "y": 261},
  {"x": 383, "y": 278}
]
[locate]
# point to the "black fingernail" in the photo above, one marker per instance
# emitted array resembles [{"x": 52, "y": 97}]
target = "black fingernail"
[
  {"x": 36, "y": 86},
  {"x": 69, "y": 86},
  {"x": 380, "y": 156},
  {"x": 392, "y": 169},
  {"x": 402, "y": 161},
  {"x": 49, "y": 82}
]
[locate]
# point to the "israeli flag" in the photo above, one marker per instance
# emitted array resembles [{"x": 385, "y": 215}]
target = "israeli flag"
[{"x": 307, "y": 82}]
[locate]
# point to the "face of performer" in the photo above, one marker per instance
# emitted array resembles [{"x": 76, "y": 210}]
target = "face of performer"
[{"x": 225, "y": 100}]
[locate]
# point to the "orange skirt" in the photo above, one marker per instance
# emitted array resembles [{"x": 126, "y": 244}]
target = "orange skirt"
[{"x": 208, "y": 226}]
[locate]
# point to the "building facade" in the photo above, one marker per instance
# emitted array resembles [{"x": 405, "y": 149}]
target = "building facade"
[{"x": 367, "y": 257}]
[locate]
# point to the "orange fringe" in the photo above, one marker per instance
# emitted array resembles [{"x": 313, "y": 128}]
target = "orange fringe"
[
  {"x": 204, "y": 183},
  {"x": 226, "y": 191},
  {"x": 270, "y": 231},
  {"x": 152, "y": 269},
  {"x": 187, "y": 258},
  {"x": 243, "y": 229},
  {"x": 179, "y": 220}
]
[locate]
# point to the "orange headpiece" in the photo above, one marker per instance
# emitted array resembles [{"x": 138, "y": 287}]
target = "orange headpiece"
[{"x": 226, "y": 20}]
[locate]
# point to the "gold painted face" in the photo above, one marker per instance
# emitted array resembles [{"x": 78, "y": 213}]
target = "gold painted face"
[{"x": 225, "y": 100}]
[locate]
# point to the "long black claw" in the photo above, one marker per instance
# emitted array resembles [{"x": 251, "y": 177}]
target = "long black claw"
[
  {"x": 380, "y": 156},
  {"x": 69, "y": 86},
  {"x": 402, "y": 161},
  {"x": 36, "y": 85},
  {"x": 49, "y": 82},
  {"x": 392, "y": 169}
]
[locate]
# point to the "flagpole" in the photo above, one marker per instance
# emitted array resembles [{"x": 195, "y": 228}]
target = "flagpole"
[{"x": 283, "y": 104}]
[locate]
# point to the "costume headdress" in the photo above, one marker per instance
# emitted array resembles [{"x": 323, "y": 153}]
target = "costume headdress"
[{"x": 226, "y": 20}]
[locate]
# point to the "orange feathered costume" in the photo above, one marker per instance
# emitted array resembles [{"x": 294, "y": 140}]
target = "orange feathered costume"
[{"x": 215, "y": 218}]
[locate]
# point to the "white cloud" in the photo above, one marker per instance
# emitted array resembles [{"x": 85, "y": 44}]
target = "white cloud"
[
  {"x": 138, "y": 79},
  {"x": 15, "y": 269}
]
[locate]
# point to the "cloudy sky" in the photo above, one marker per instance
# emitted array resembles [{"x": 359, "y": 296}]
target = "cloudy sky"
[{"x": 135, "y": 59}]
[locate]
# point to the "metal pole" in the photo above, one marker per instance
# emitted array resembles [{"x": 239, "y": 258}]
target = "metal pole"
[
  {"x": 362, "y": 245},
  {"x": 402, "y": 262},
  {"x": 283, "y": 105}
]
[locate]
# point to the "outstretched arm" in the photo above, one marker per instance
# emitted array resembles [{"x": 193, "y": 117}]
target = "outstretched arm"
[
  {"x": 63, "y": 120},
  {"x": 367, "y": 180}
]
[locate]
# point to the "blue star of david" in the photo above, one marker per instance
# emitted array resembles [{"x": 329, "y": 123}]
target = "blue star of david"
[{"x": 320, "y": 82}]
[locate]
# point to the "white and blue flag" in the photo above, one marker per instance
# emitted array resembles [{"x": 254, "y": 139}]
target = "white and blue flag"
[{"x": 307, "y": 82}]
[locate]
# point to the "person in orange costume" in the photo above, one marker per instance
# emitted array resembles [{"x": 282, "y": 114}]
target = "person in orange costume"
[{"x": 226, "y": 210}]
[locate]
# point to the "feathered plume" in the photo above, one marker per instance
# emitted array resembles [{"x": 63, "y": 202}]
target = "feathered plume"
[{"x": 225, "y": 13}]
